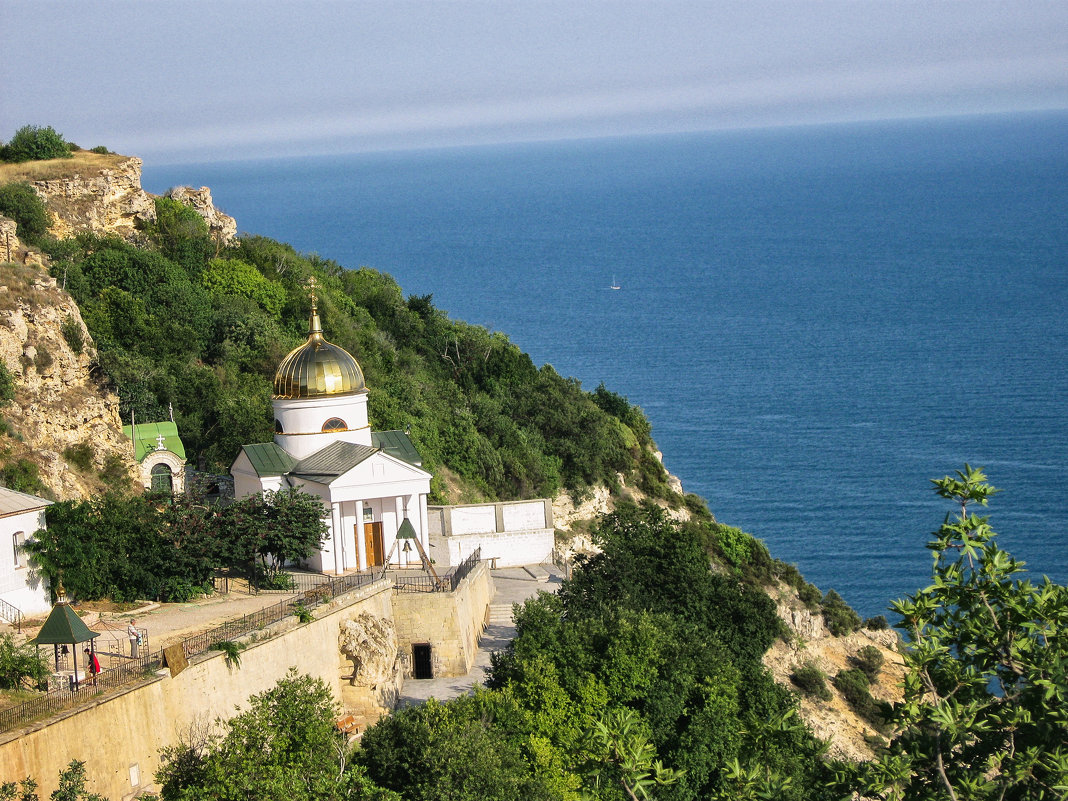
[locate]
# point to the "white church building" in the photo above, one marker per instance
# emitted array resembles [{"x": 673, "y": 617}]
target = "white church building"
[{"x": 371, "y": 481}]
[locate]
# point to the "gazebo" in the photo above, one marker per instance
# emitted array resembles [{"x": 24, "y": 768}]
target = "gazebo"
[{"x": 64, "y": 627}]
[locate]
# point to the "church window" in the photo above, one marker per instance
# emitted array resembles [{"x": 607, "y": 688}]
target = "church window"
[
  {"x": 161, "y": 479},
  {"x": 278, "y": 427},
  {"x": 17, "y": 540},
  {"x": 335, "y": 424}
]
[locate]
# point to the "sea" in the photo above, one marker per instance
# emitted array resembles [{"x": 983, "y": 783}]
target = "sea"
[{"x": 817, "y": 320}]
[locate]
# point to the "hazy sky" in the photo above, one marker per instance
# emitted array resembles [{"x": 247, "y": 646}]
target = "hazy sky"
[{"x": 199, "y": 81}]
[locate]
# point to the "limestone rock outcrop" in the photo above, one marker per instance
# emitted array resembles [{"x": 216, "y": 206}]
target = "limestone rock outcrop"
[
  {"x": 101, "y": 199},
  {"x": 63, "y": 419},
  {"x": 848, "y": 734},
  {"x": 370, "y": 643},
  {"x": 223, "y": 227}
]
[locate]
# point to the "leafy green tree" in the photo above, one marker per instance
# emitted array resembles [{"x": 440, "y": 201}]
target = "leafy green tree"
[
  {"x": 285, "y": 747},
  {"x": 624, "y": 757},
  {"x": 33, "y": 143},
  {"x": 19, "y": 202},
  {"x": 71, "y": 787},
  {"x": 236, "y": 277},
  {"x": 985, "y": 712},
  {"x": 182, "y": 235},
  {"x": 447, "y": 752},
  {"x": 18, "y": 663},
  {"x": 264, "y": 531}
]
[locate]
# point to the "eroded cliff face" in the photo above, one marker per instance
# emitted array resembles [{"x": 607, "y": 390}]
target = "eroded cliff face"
[
  {"x": 101, "y": 198},
  {"x": 835, "y": 721},
  {"x": 102, "y": 194},
  {"x": 63, "y": 419}
]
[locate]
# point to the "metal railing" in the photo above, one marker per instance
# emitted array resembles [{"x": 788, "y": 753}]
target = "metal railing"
[
  {"x": 138, "y": 668},
  {"x": 12, "y": 614},
  {"x": 447, "y": 583},
  {"x": 466, "y": 566}
]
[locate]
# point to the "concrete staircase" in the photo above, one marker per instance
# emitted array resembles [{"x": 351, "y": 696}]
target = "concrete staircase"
[{"x": 500, "y": 615}]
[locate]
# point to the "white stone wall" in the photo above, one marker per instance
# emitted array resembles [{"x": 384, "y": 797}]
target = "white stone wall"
[
  {"x": 512, "y": 533},
  {"x": 20, "y": 584},
  {"x": 508, "y": 548}
]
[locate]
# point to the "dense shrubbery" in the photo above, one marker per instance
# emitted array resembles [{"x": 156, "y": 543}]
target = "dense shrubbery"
[
  {"x": 811, "y": 680},
  {"x": 20, "y": 203},
  {"x": 646, "y": 626},
  {"x": 32, "y": 143},
  {"x": 20, "y": 664},
  {"x": 186, "y": 324},
  {"x": 838, "y": 615},
  {"x": 869, "y": 661},
  {"x": 132, "y": 547}
]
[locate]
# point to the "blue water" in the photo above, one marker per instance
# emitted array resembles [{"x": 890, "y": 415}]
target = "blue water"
[{"x": 816, "y": 320}]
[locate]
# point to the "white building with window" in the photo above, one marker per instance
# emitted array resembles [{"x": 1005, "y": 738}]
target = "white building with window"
[
  {"x": 22, "y": 588},
  {"x": 369, "y": 481}
]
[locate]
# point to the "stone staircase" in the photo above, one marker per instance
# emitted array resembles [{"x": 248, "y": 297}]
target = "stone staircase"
[{"x": 500, "y": 615}]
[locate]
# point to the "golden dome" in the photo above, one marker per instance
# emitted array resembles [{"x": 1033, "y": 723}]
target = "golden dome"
[{"x": 317, "y": 368}]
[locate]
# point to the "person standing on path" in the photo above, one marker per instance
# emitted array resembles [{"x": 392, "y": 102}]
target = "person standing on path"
[
  {"x": 93, "y": 664},
  {"x": 131, "y": 632}
]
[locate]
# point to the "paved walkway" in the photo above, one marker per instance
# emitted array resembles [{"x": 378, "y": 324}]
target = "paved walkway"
[{"x": 513, "y": 585}]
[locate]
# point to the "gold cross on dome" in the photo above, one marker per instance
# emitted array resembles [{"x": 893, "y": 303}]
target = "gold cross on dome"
[{"x": 312, "y": 285}]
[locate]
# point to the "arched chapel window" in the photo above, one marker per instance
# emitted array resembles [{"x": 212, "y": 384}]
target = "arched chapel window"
[
  {"x": 335, "y": 424},
  {"x": 161, "y": 479},
  {"x": 278, "y": 427}
]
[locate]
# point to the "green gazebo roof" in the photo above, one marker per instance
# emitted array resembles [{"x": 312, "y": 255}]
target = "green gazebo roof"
[{"x": 63, "y": 627}]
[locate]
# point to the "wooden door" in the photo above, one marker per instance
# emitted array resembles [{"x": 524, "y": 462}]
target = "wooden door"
[{"x": 372, "y": 540}]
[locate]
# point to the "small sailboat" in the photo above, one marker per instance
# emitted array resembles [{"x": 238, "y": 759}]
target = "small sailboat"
[{"x": 615, "y": 284}]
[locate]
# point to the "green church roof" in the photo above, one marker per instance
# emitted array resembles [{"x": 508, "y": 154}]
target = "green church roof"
[
  {"x": 63, "y": 626},
  {"x": 148, "y": 435},
  {"x": 334, "y": 460},
  {"x": 268, "y": 459},
  {"x": 398, "y": 445}
]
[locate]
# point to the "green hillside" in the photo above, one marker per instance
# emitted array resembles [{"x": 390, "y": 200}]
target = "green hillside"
[{"x": 181, "y": 322}]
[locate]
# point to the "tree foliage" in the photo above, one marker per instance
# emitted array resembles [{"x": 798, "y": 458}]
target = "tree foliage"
[
  {"x": 985, "y": 713},
  {"x": 19, "y": 663},
  {"x": 128, "y": 547},
  {"x": 284, "y": 747},
  {"x": 34, "y": 143},
  {"x": 182, "y": 323},
  {"x": 19, "y": 202}
]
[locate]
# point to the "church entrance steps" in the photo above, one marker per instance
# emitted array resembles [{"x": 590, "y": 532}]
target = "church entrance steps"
[
  {"x": 538, "y": 573},
  {"x": 500, "y": 615}
]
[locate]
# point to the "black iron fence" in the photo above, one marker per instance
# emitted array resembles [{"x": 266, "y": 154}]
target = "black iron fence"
[
  {"x": 135, "y": 669},
  {"x": 72, "y": 694},
  {"x": 132, "y": 670},
  {"x": 447, "y": 583}
]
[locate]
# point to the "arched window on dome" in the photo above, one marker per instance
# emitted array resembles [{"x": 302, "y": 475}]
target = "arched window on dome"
[
  {"x": 162, "y": 480},
  {"x": 278, "y": 427},
  {"x": 335, "y": 424}
]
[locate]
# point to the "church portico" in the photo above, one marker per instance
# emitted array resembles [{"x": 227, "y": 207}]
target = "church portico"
[{"x": 370, "y": 482}]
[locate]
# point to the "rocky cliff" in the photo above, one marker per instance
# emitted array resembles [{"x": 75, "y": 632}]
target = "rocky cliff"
[
  {"x": 64, "y": 420},
  {"x": 102, "y": 193},
  {"x": 850, "y": 736}
]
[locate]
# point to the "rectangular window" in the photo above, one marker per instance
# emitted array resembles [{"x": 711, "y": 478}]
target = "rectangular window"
[{"x": 17, "y": 539}]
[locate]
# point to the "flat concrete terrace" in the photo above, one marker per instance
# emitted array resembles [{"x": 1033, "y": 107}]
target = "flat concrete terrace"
[{"x": 513, "y": 585}]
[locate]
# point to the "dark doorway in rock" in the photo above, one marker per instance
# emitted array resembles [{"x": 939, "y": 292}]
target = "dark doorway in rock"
[{"x": 422, "y": 668}]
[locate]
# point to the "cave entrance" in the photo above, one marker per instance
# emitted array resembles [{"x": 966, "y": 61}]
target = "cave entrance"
[{"x": 421, "y": 665}]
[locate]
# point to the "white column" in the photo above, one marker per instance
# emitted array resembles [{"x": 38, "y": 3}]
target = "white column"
[
  {"x": 398, "y": 504},
  {"x": 337, "y": 537},
  {"x": 424, "y": 522},
  {"x": 361, "y": 547}
]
